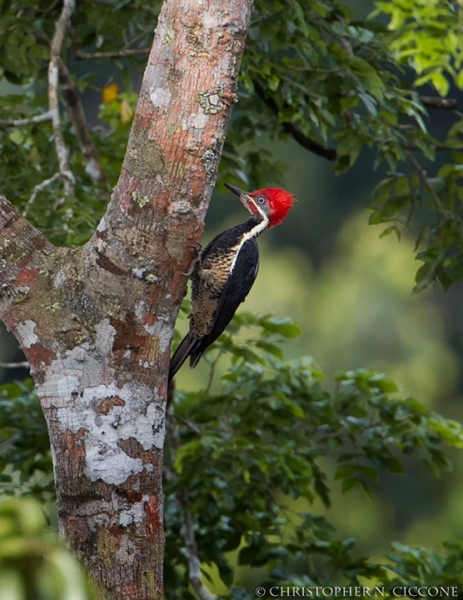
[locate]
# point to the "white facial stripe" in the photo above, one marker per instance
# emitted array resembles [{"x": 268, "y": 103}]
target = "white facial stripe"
[
  {"x": 260, "y": 208},
  {"x": 259, "y": 228}
]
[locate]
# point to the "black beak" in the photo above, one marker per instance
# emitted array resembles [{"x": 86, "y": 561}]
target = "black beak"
[
  {"x": 246, "y": 200},
  {"x": 235, "y": 190}
]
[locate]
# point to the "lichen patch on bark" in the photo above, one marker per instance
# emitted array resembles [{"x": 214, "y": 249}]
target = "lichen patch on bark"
[
  {"x": 104, "y": 338},
  {"x": 134, "y": 514},
  {"x": 137, "y": 414},
  {"x": 27, "y": 332},
  {"x": 160, "y": 96}
]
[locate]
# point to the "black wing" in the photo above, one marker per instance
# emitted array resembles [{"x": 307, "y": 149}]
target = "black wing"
[{"x": 234, "y": 293}]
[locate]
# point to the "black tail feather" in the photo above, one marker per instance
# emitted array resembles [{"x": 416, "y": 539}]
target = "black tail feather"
[{"x": 181, "y": 354}]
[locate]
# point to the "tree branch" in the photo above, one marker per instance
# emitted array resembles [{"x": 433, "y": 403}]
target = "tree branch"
[
  {"x": 308, "y": 143},
  {"x": 53, "y": 98},
  {"x": 46, "y": 116},
  {"x": 436, "y": 102},
  {"x": 22, "y": 252},
  {"x": 291, "y": 129},
  {"x": 15, "y": 365}
]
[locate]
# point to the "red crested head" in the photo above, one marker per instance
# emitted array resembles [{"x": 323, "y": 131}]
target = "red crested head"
[
  {"x": 272, "y": 204},
  {"x": 279, "y": 201}
]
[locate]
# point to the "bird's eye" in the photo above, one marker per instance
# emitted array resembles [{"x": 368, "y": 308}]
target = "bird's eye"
[{"x": 261, "y": 200}]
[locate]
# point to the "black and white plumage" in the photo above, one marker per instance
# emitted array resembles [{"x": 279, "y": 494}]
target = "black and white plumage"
[{"x": 225, "y": 272}]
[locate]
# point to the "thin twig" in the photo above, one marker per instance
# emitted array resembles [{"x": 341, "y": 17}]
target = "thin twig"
[
  {"x": 46, "y": 116},
  {"x": 39, "y": 188},
  {"x": 187, "y": 531},
  {"x": 122, "y": 53},
  {"x": 82, "y": 55},
  {"x": 194, "y": 565},
  {"x": 437, "y": 147},
  {"x": 77, "y": 117},
  {"x": 424, "y": 178},
  {"x": 53, "y": 98},
  {"x": 346, "y": 45},
  {"x": 188, "y": 424},
  {"x": 14, "y": 365},
  {"x": 139, "y": 36},
  {"x": 104, "y": 2}
]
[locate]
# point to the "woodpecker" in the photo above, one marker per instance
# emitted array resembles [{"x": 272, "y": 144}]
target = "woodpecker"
[{"x": 226, "y": 270}]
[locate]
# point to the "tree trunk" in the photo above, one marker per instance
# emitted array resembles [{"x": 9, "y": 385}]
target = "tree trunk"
[{"x": 96, "y": 322}]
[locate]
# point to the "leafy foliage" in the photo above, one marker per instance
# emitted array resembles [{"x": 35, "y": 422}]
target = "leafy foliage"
[
  {"x": 328, "y": 75},
  {"x": 262, "y": 443},
  {"x": 25, "y": 459},
  {"x": 428, "y": 39},
  {"x": 313, "y": 71},
  {"x": 29, "y": 155},
  {"x": 421, "y": 566}
]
